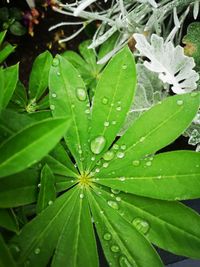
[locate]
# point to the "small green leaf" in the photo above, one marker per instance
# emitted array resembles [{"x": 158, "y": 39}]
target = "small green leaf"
[
  {"x": 9, "y": 78},
  {"x": 123, "y": 245},
  {"x": 8, "y": 220},
  {"x": 17, "y": 28},
  {"x": 6, "y": 51},
  {"x": 111, "y": 104},
  {"x": 19, "y": 97},
  {"x": 72, "y": 246},
  {"x": 47, "y": 190},
  {"x": 38, "y": 82},
  {"x": 68, "y": 97},
  {"x": 30, "y": 145},
  {"x": 3, "y": 33},
  {"x": 155, "y": 129},
  {"x": 6, "y": 258}
]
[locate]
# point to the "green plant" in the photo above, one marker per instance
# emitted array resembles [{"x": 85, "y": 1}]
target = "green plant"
[
  {"x": 119, "y": 187},
  {"x": 5, "y": 48},
  {"x": 10, "y": 19}
]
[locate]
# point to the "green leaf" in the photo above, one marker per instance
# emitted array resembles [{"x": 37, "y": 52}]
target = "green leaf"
[
  {"x": 8, "y": 220},
  {"x": 47, "y": 190},
  {"x": 30, "y": 145},
  {"x": 123, "y": 245},
  {"x": 72, "y": 246},
  {"x": 88, "y": 55},
  {"x": 37, "y": 240},
  {"x": 6, "y": 258},
  {"x": 19, "y": 97},
  {"x": 111, "y": 104},
  {"x": 166, "y": 224},
  {"x": 9, "y": 78},
  {"x": 2, "y": 34},
  {"x": 163, "y": 177},
  {"x": 19, "y": 189},
  {"x": 38, "y": 82},
  {"x": 68, "y": 97},
  {"x": 17, "y": 28},
  {"x": 155, "y": 129},
  {"x": 40, "y": 115},
  {"x": 6, "y": 51}
]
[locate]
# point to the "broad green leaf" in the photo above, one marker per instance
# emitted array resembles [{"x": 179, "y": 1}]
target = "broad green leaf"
[
  {"x": 8, "y": 84},
  {"x": 123, "y": 245},
  {"x": 167, "y": 176},
  {"x": 30, "y": 145},
  {"x": 38, "y": 82},
  {"x": 19, "y": 98},
  {"x": 47, "y": 190},
  {"x": 155, "y": 129},
  {"x": 111, "y": 104},
  {"x": 37, "y": 240},
  {"x": 6, "y": 51},
  {"x": 77, "y": 245},
  {"x": 68, "y": 97},
  {"x": 19, "y": 189},
  {"x": 8, "y": 220},
  {"x": 166, "y": 224},
  {"x": 6, "y": 258}
]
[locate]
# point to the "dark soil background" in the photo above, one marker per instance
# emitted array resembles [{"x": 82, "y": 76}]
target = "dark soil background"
[{"x": 29, "y": 47}]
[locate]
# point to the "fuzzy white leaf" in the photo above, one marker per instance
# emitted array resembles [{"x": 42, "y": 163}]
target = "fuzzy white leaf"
[
  {"x": 151, "y": 2},
  {"x": 169, "y": 62}
]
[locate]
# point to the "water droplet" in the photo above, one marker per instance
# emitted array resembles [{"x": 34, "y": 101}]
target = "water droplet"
[
  {"x": 105, "y": 101},
  {"x": 118, "y": 199},
  {"x": 97, "y": 170},
  {"x": 37, "y": 251},
  {"x": 114, "y": 248},
  {"x": 194, "y": 94},
  {"x": 136, "y": 163},
  {"x": 142, "y": 139},
  {"x": 107, "y": 236},
  {"x": 15, "y": 249},
  {"x": 120, "y": 154},
  {"x": 114, "y": 122},
  {"x": 87, "y": 111},
  {"x": 105, "y": 164},
  {"x": 81, "y": 94},
  {"x": 52, "y": 107},
  {"x": 108, "y": 155},
  {"x": 118, "y": 108},
  {"x": 159, "y": 177},
  {"x": 141, "y": 225},
  {"x": 115, "y": 191},
  {"x": 179, "y": 102},
  {"x": 124, "y": 67},
  {"x": 123, "y": 262},
  {"x": 39, "y": 185},
  {"x": 115, "y": 146},
  {"x": 106, "y": 123},
  {"x": 55, "y": 62},
  {"x": 149, "y": 163},
  {"x": 92, "y": 158},
  {"x": 81, "y": 195},
  {"x": 122, "y": 178},
  {"x": 123, "y": 147},
  {"x": 98, "y": 144},
  {"x": 58, "y": 73},
  {"x": 72, "y": 106},
  {"x": 113, "y": 204},
  {"x": 50, "y": 202}
]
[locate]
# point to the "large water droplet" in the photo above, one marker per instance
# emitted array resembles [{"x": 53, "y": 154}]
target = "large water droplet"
[
  {"x": 105, "y": 101},
  {"x": 179, "y": 102},
  {"x": 141, "y": 225},
  {"x": 113, "y": 204},
  {"x": 55, "y": 62},
  {"x": 81, "y": 94},
  {"x": 123, "y": 262},
  {"x": 114, "y": 248},
  {"x": 98, "y": 144},
  {"x": 37, "y": 251},
  {"x": 107, "y": 236},
  {"x": 108, "y": 155},
  {"x": 136, "y": 163},
  {"x": 120, "y": 154}
]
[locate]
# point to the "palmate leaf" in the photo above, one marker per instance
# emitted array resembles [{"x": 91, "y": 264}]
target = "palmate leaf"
[
  {"x": 30, "y": 145},
  {"x": 59, "y": 234}
]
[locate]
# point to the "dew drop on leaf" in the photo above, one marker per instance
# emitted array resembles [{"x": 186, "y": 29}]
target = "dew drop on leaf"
[
  {"x": 123, "y": 147},
  {"x": 55, "y": 62},
  {"x": 108, "y": 155},
  {"x": 52, "y": 107},
  {"x": 122, "y": 178},
  {"x": 136, "y": 163},
  {"x": 81, "y": 195},
  {"x": 141, "y": 225},
  {"x": 113, "y": 204},
  {"x": 142, "y": 139},
  {"x": 81, "y": 94},
  {"x": 123, "y": 262},
  {"x": 115, "y": 146},
  {"x": 149, "y": 163},
  {"x": 106, "y": 123},
  {"x": 92, "y": 158},
  {"x": 50, "y": 202},
  {"x": 114, "y": 248},
  {"x": 98, "y": 144},
  {"x": 120, "y": 154},
  {"x": 114, "y": 122},
  {"x": 37, "y": 251},
  {"x": 105, "y": 164},
  {"x": 107, "y": 236},
  {"x": 54, "y": 95},
  {"x": 179, "y": 102},
  {"x": 118, "y": 199},
  {"x": 58, "y": 73},
  {"x": 124, "y": 67},
  {"x": 118, "y": 108},
  {"x": 115, "y": 191},
  {"x": 105, "y": 101}
]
